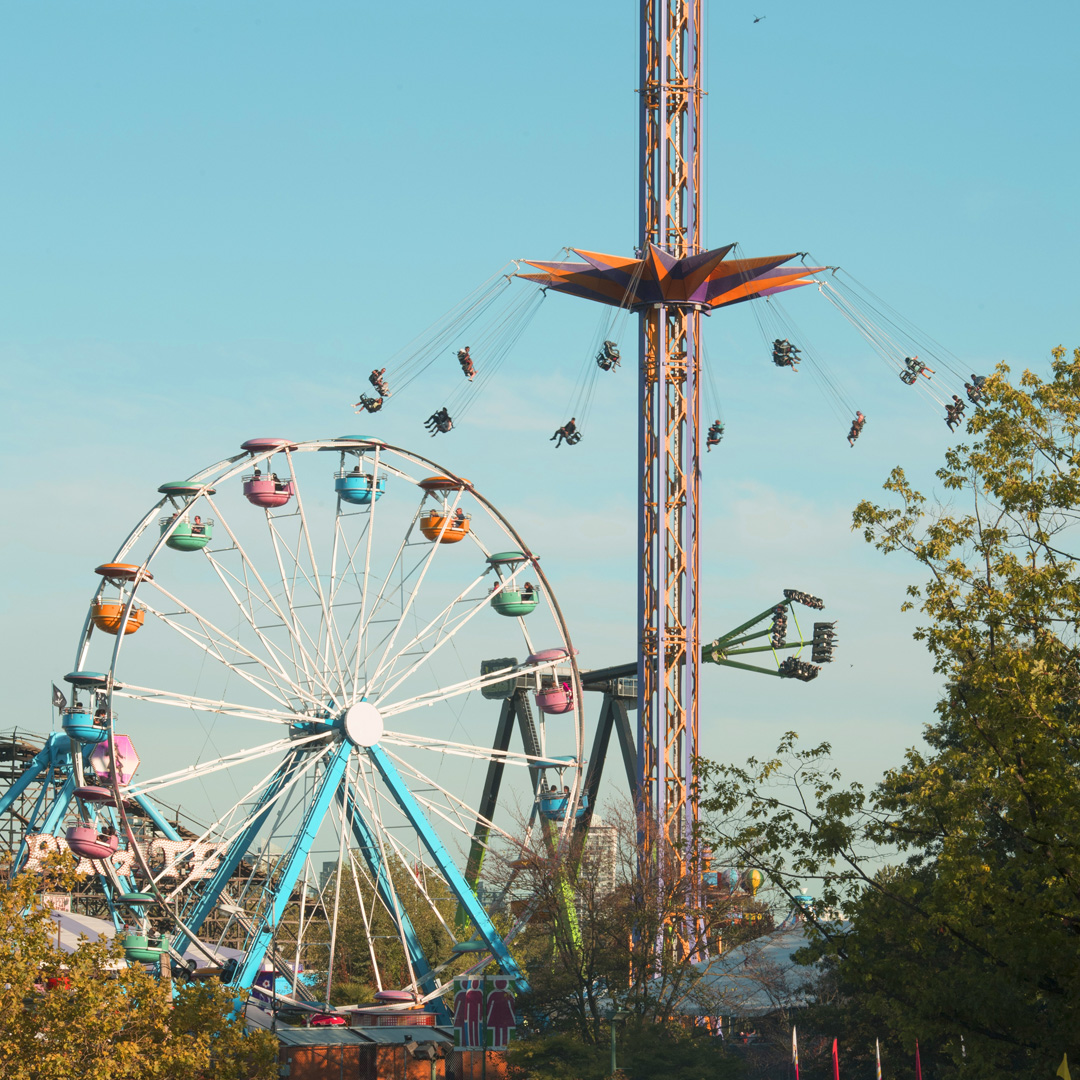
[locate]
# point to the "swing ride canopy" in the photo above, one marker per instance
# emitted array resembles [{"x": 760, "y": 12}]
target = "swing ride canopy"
[{"x": 707, "y": 280}]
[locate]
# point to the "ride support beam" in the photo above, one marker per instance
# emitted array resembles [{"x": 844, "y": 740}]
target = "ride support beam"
[
  {"x": 281, "y": 893},
  {"x": 447, "y": 867},
  {"x": 488, "y": 800},
  {"x": 613, "y": 715}
]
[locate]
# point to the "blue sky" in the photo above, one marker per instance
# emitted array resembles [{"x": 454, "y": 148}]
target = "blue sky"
[{"x": 217, "y": 217}]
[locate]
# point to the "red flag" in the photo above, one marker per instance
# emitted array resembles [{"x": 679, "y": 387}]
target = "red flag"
[
  {"x": 918, "y": 1063},
  {"x": 835, "y": 1061},
  {"x": 795, "y": 1051}
]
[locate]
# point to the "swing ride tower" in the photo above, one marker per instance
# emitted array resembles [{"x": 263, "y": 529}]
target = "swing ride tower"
[
  {"x": 669, "y": 405},
  {"x": 670, "y": 284}
]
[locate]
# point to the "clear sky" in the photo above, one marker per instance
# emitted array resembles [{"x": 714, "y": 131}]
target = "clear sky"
[{"x": 217, "y": 217}]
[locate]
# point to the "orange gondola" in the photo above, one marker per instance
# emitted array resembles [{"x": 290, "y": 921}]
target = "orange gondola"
[
  {"x": 107, "y": 615},
  {"x": 445, "y": 528}
]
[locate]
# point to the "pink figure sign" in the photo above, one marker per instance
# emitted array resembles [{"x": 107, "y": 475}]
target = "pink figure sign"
[
  {"x": 127, "y": 760},
  {"x": 499, "y": 1016}
]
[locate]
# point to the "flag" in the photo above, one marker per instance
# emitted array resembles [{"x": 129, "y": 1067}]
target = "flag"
[
  {"x": 877, "y": 1051},
  {"x": 1063, "y": 1068},
  {"x": 835, "y": 1061},
  {"x": 58, "y": 698},
  {"x": 795, "y": 1051},
  {"x": 918, "y": 1063}
]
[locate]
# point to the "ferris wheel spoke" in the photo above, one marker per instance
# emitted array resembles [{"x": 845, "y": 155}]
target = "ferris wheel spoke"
[
  {"x": 205, "y": 768},
  {"x": 381, "y": 599},
  {"x": 250, "y": 613},
  {"x": 200, "y": 704},
  {"x": 365, "y": 581},
  {"x": 467, "y": 750},
  {"x": 441, "y": 627},
  {"x": 407, "y": 606},
  {"x": 331, "y": 651},
  {"x": 317, "y": 670},
  {"x": 300, "y": 658},
  {"x": 216, "y": 643},
  {"x": 467, "y": 686},
  {"x": 350, "y": 574}
]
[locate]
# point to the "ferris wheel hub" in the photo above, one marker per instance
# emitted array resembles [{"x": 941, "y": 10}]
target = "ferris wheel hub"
[{"x": 362, "y": 724}]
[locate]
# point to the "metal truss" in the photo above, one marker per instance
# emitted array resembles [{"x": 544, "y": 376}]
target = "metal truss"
[{"x": 668, "y": 432}]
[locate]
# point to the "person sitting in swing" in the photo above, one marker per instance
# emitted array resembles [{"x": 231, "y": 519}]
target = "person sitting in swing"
[
  {"x": 608, "y": 356},
  {"x": 917, "y": 367},
  {"x": 439, "y": 421},
  {"x": 378, "y": 380},
  {"x": 974, "y": 394},
  {"x": 370, "y": 404},
  {"x": 465, "y": 360},
  {"x": 954, "y": 413},
  {"x": 785, "y": 354},
  {"x": 716, "y": 433},
  {"x": 856, "y": 428},
  {"x": 567, "y": 432}
]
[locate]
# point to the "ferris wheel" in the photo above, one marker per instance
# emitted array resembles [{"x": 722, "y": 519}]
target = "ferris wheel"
[{"x": 295, "y": 646}]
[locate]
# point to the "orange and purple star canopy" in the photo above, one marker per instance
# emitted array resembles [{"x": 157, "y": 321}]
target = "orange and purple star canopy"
[{"x": 708, "y": 280}]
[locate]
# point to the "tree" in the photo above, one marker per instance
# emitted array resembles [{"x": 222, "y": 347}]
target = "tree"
[
  {"x": 960, "y": 871},
  {"x": 87, "y": 1016},
  {"x": 606, "y": 958}
]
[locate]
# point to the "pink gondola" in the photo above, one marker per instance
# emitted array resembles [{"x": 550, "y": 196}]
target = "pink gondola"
[
  {"x": 555, "y": 699},
  {"x": 85, "y": 840},
  {"x": 266, "y": 491}
]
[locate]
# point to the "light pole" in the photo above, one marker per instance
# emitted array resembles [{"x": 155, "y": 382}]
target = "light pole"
[{"x": 617, "y": 1015}]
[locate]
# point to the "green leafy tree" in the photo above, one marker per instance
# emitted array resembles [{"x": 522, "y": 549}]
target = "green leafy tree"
[
  {"x": 960, "y": 871},
  {"x": 87, "y": 1016}
]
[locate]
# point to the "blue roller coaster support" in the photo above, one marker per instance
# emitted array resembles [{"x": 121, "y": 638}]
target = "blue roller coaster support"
[
  {"x": 290, "y": 870},
  {"x": 451, "y": 874},
  {"x": 55, "y": 750},
  {"x": 54, "y": 819}
]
